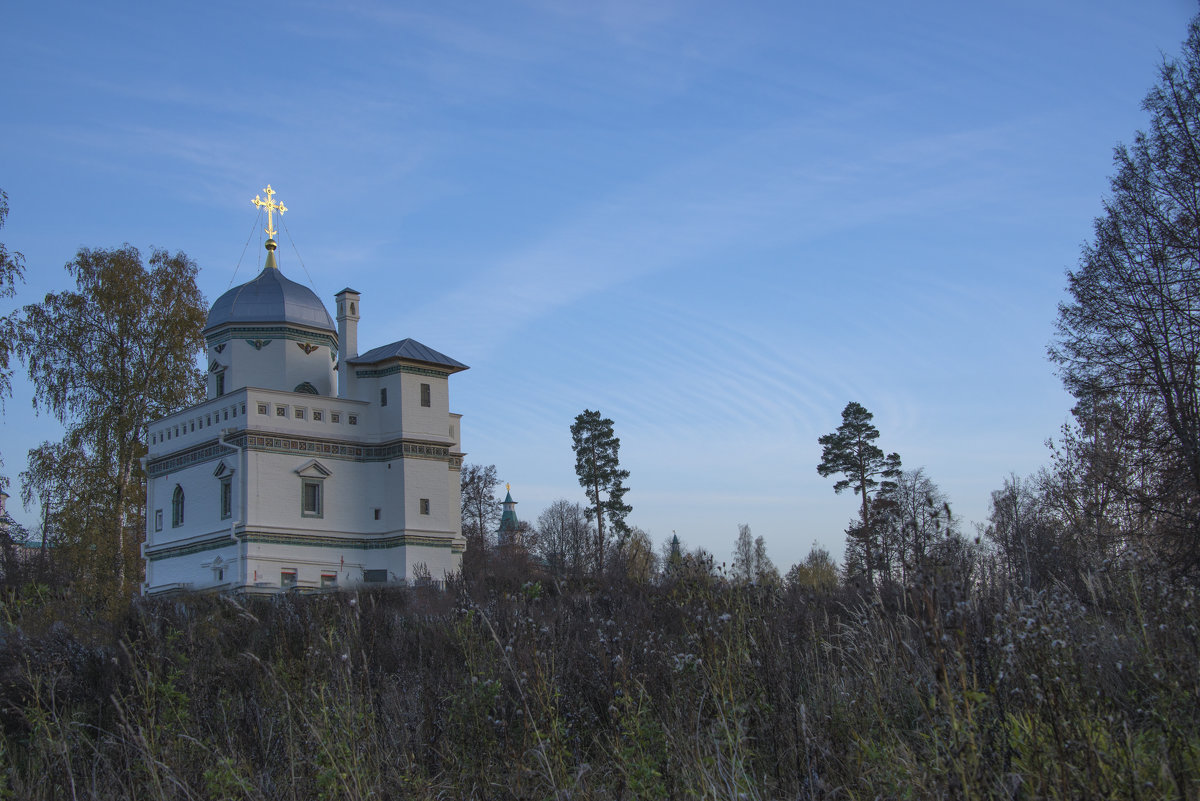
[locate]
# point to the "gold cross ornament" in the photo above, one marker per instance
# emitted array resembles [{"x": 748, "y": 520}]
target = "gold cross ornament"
[{"x": 271, "y": 206}]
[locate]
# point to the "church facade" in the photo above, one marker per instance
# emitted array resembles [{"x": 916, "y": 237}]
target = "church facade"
[{"x": 309, "y": 465}]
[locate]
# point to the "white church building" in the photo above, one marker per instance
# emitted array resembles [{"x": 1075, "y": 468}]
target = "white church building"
[{"x": 309, "y": 465}]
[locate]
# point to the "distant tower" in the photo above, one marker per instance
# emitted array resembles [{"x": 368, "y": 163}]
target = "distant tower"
[
  {"x": 675, "y": 557},
  {"x": 508, "y": 532}
]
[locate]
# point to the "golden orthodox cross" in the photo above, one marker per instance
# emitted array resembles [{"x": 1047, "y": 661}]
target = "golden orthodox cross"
[{"x": 271, "y": 206}]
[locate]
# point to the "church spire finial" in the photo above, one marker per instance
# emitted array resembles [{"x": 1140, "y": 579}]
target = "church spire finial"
[{"x": 271, "y": 206}]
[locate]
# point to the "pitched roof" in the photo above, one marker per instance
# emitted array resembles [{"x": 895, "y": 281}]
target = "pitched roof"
[{"x": 409, "y": 350}]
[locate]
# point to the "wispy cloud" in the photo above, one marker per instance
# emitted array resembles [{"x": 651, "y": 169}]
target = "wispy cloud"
[{"x": 755, "y": 189}]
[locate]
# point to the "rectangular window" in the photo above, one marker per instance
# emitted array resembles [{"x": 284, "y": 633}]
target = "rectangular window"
[
  {"x": 335, "y": 417},
  {"x": 426, "y": 393},
  {"x": 220, "y": 383},
  {"x": 377, "y": 513},
  {"x": 383, "y": 396},
  {"x": 311, "y": 491},
  {"x": 158, "y": 519},
  {"x": 375, "y": 576},
  {"x": 220, "y": 574},
  {"x": 262, "y": 408},
  {"x": 318, "y": 416},
  {"x": 281, "y": 411},
  {"x": 226, "y": 498},
  {"x": 193, "y": 425},
  {"x": 353, "y": 420},
  {"x": 299, "y": 414},
  {"x": 287, "y": 578},
  {"x": 424, "y": 506},
  {"x": 328, "y": 580},
  {"x": 242, "y": 407}
]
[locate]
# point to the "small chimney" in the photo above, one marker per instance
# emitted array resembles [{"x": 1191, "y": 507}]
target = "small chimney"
[{"x": 347, "y": 320}]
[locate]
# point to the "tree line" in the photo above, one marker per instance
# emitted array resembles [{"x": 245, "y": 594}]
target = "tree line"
[{"x": 1123, "y": 473}]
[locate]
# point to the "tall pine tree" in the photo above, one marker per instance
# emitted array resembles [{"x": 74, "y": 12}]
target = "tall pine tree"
[
  {"x": 601, "y": 476},
  {"x": 852, "y": 453}
]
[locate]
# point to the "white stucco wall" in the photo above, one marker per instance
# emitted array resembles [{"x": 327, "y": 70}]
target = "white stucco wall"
[
  {"x": 267, "y": 488},
  {"x": 270, "y": 439}
]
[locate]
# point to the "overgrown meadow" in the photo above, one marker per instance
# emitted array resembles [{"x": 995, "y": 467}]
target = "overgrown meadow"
[{"x": 689, "y": 687}]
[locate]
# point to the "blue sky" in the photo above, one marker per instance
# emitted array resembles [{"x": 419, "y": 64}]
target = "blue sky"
[{"x": 716, "y": 223}]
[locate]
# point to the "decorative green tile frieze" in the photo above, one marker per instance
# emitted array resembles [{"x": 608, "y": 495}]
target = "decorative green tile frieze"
[
  {"x": 400, "y": 448},
  {"x": 305, "y": 540},
  {"x": 204, "y": 452},
  {"x": 355, "y": 543},
  {"x": 273, "y": 332},
  {"x": 305, "y": 446},
  {"x": 170, "y": 552},
  {"x": 400, "y": 368}
]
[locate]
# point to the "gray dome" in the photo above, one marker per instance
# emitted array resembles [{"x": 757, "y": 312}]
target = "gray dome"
[{"x": 270, "y": 298}]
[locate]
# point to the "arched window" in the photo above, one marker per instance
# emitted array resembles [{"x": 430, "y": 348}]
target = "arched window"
[{"x": 177, "y": 506}]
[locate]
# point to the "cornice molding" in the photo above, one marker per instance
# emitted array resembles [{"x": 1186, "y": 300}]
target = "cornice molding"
[
  {"x": 356, "y": 543},
  {"x": 305, "y": 446},
  {"x": 172, "y": 551},
  {"x": 359, "y": 543},
  {"x": 258, "y": 333},
  {"x": 401, "y": 368}
]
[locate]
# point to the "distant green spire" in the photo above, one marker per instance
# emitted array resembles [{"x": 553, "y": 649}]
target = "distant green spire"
[
  {"x": 675, "y": 557},
  {"x": 507, "y": 533}
]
